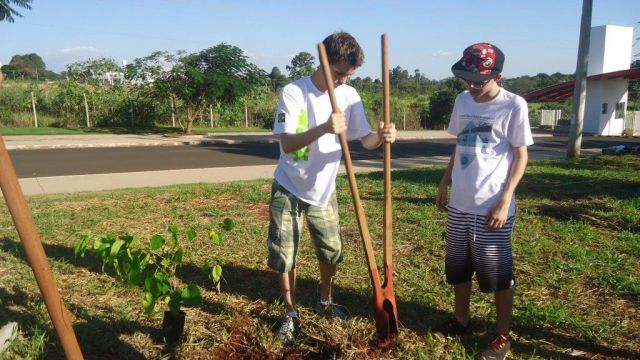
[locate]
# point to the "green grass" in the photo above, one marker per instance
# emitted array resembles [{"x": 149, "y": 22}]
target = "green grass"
[
  {"x": 10, "y": 131},
  {"x": 576, "y": 249}
]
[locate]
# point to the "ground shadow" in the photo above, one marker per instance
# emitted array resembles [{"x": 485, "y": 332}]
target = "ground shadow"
[
  {"x": 98, "y": 338},
  {"x": 573, "y": 187},
  {"x": 94, "y": 264}
]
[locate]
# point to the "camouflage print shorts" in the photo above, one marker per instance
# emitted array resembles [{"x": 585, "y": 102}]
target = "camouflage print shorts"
[{"x": 286, "y": 217}]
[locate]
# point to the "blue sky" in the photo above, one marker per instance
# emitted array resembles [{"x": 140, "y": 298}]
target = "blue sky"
[{"x": 536, "y": 36}]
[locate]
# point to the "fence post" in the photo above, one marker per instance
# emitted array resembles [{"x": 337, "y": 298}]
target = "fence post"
[
  {"x": 404, "y": 118},
  {"x": 33, "y": 107},
  {"x": 86, "y": 110},
  {"x": 211, "y": 115},
  {"x": 131, "y": 104},
  {"x": 246, "y": 115},
  {"x": 173, "y": 112}
]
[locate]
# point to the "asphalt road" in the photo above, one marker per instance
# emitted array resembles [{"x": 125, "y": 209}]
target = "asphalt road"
[{"x": 82, "y": 161}]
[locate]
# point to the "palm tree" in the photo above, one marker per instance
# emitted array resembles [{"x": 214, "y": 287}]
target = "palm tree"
[{"x": 7, "y": 13}]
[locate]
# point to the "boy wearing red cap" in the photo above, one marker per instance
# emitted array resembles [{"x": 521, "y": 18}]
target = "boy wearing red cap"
[{"x": 492, "y": 127}]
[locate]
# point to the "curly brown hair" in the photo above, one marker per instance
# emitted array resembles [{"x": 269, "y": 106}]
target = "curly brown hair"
[{"x": 342, "y": 47}]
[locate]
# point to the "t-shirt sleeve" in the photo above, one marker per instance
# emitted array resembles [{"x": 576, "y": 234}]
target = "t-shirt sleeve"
[
  {"x": 357, "y": 124},
  {"x": 288, "y": 109},
  {"x": 453, "y": 123},
  {"x": 519, "y": 128}
]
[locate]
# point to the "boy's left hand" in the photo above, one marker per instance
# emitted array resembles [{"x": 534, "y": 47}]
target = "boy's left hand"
[{"x": 387, "y": 134}]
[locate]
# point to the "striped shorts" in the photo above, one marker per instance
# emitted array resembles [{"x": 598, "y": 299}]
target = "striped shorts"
[
  {"x": 286, "y": 217},
  {"x": 471, "y": 247}
]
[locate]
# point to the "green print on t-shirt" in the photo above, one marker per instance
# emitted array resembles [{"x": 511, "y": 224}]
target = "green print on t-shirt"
[{"x": 303, "y": 125}]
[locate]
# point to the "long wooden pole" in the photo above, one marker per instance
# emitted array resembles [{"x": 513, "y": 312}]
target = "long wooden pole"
[
  {"x": 30, "y": 239},
  {"x": 386, "y": 106},
  {"x": 390, "y": 316}
]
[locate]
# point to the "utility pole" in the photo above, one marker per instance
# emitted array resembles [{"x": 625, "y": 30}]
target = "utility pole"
[{"x": 580, "y": 86}]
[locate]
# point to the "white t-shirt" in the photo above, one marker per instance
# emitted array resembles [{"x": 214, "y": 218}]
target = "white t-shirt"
[
  {"x": 487, "y": 133},
  {"x": 310, "y": 173}
]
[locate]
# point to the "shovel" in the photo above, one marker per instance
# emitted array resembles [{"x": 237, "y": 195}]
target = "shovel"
[{"x": 384, "y": 301}]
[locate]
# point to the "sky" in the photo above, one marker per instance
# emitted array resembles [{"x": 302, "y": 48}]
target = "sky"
[{"x": 536, "y": 36}]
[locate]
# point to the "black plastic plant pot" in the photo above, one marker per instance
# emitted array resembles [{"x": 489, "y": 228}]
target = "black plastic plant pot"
[{"x": 173, "y": 326}]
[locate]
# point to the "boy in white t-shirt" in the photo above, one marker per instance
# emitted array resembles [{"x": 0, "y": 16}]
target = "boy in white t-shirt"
[
  {"x": 492, "y": 127},
  {"x": 304, "y": 184}
]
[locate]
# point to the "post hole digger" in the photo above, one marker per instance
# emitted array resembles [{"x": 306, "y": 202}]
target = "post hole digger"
[{"x": 385, "y": 307}]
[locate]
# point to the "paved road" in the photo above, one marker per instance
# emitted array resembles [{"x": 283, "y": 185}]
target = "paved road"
[
  {"x": 115, "y": 165},
  {"x": 59, "y": 162},
  {"x": 83, "y": 161}
]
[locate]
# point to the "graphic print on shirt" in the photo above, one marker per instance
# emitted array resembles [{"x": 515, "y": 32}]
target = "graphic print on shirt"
[
  {"x": 303, "y": 125},
  {"x": 477, "y": 134}
]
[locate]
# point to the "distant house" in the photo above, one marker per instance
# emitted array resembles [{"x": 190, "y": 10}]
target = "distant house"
[
  {"x": 111, "y": 78},
  {"x": 608, "y": 76},
  {"x": 610, "y": 50}
]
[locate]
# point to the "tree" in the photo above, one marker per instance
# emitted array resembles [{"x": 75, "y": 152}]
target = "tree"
[
  {"x": 302, "y": 65},
  {"x": 95, "y": 71},
  {"x": 219, "y": 74},
  {"x": 440, "y": 108},
  {"x": 29, "y": 65},
  {"x": 7, "y": 12},
  {"x": 399, "y": 78},
  {"x": 278, "y": 80}
]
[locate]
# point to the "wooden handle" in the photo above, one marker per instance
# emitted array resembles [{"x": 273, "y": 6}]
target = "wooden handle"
[
  {"x": 30, "y": 239},
  {"x": 386, "y": 106},
  {"x": 360, "y": 215}
]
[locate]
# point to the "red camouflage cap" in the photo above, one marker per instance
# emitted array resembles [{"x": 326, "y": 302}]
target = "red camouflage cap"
[{"x": 479, "y": 62}]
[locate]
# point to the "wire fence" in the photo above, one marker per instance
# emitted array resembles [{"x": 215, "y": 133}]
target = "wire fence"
[{"x": 68, "y": 104}]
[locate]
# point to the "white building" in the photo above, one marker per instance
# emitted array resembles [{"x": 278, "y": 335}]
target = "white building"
[{"x": 610, "y": 49}]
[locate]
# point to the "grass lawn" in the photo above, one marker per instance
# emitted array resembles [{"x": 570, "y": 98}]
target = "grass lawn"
[
  {"x": 9, "y": 131},
  {"x": 576, "y": 248}
]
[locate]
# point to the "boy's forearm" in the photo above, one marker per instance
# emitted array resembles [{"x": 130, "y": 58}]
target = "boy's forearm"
[
  {"x": 371, "y": 141},
  {"x": 293, "y": 142},
  {"x": 521, "y": 157},
  {"x": 446, "y": 178}
]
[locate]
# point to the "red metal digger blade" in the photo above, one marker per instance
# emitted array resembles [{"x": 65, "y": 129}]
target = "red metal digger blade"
[{"x": 386, "y": 309}]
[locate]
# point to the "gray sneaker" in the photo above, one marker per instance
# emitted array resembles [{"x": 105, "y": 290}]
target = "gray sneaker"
[
  {"x": 289, "y": 329},
  {"x": 498, "y": 349},
  {"x": 332, "y": 310}
]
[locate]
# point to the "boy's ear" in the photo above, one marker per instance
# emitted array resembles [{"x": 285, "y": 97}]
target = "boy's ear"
[{"x": 498, "y": 77}]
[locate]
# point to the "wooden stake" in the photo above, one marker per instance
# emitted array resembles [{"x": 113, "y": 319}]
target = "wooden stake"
[
  {"x": 86, "y": 110},
  {"x": 30, "y": 239},
  {"x": 33, "y": 107}
]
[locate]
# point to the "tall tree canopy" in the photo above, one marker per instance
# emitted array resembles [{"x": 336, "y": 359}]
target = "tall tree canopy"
[
  {"x": 7, "y": 12},
  {"x": 94, "y": 71},
  {"x": 302, "y": 65},
  {"x": 219, "y": 74},
  {"x": 29, "y": 65},
  {"x": 278, "y": 80}
]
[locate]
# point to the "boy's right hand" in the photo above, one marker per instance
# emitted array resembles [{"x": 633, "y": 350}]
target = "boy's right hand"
[
  {"x": 336, "y": 124},
  {"x": 441, "y": 198}
]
